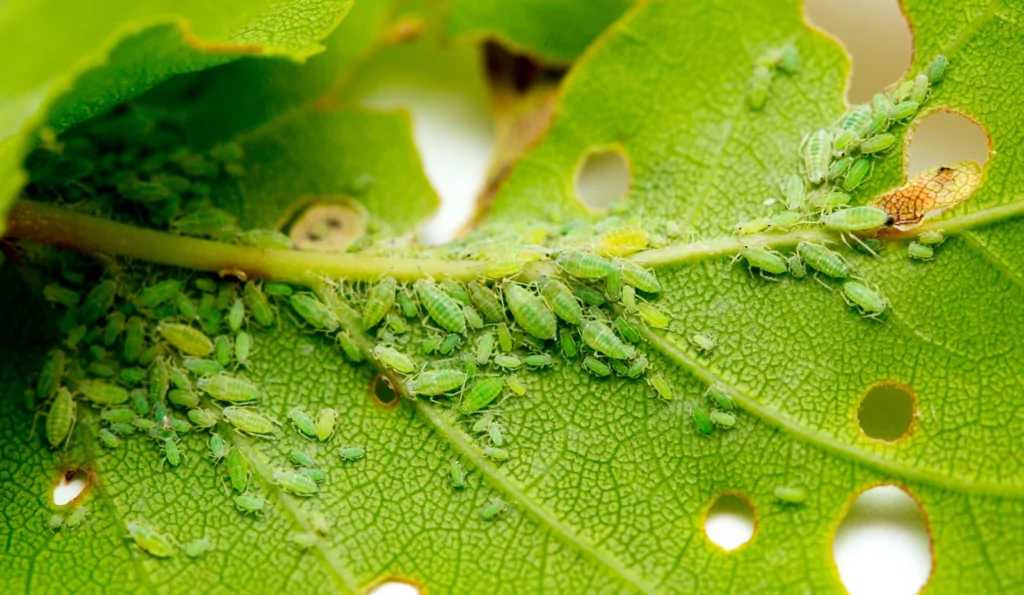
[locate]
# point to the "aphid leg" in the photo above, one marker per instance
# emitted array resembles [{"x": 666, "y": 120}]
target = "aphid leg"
[
  {"x": 823, "y": 284},
  {"x": 859, "y": 241}
]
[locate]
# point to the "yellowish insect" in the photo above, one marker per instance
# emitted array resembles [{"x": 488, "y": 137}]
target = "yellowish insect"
[{"x": 930, "y": 193}]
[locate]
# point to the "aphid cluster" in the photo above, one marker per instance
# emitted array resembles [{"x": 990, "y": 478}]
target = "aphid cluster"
[{"x": 785, "y": 59}]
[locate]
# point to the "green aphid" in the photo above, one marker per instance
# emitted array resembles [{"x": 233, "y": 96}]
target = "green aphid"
[
  {"x": 840, "y": 167},
  {"x": 596, "y": 366},
  {"x": 122, "y": 429},
  {"x": 718, "y": 397},
  {"x": 157, "y": 294},
  {"x": 102, "y": 370},
  {"x": 431, "y": 343},
  {"x": 919, "y": 251},
  {"x": 484, "y": 348},
  {"x": 238, "y": 470},
  {"x": 97, "y": 352},
  {"x": 159, "y": 412},
  {"x": 326, "y": 421},
  {"x": 113, "y": 329},
  {"x": 481, "y": 395},
  {"x": 931, "y": 238},
  {"x": 530, "y": 311},
  {"x": 134, "y": 335},
  {"x": 877, "y": 144},
  {"x": 567, "y": 343},
  {"x": 188, "y": 340},
  {"x": 504, "y": 338},
  {"x": 830, "y": 200},
  {"x": 663, "y": 388},
  {"x": 538, "y": 360},
  {"x": 315, "y": 474},
  {"x": 198, "y": 547},
  {"x": 785, "y": 220},
  {"x": 277, "y": 288},
  {"x": 637, "y": 276},
  {"x": 218, "y": 448},
  {"x": 243, "y": 347},
  {"x": 637, "y": 367},
  {"x": 469, "y": 365},
  {"x": 222, "y": 350},
  {"x": 817, "y": 153},
  {"x": 486, "y": 301},
  {"x": 206, "y": 222},
  {"x": 205, "y": 284},
  {"x": 384, "y": 335},
  {"x": 444, "y": 309},
  {"x": 103, "y": 393},
  {"x": 51, "y": 375},
  {"x": 612, "y": 284},
  {"x": 108, "y": 439},
  {"x": 256, "y": 301},
  {"x": 303, "y": 541},
  {"x": 483, "y": 423},
  {"x": 397, "y": 324},
  {"x": 589, "y": 295},
  {"x": 172, "y": 453},
  {"x": 854, "y": 127},
  {"x": 746, "y": 228},
  {"x": 201, "y": 366},
  {"x": 268, "y": 239},
  {"x": 236, "y": 315},
  {"x": 76, "y": 335},
  {"x": 149, "y": 540},
  {"x": 98, "y": 302},
  {"x": 132, "y": 375},
  {"x": 508, "y": 362},
  {"x": 758, "y": 85},
  {"x": 379, "y": 301},
  {"x": 703, "y": 341},
  {"x": 159, "y": 380},
  {"x": 393, "y": 359},
  {"x": 314, "y": 312},
  {"x": 77, "y": 517},
  {"x": 203, "y": 418},
  {"x": 179, "y": 425},
  {"x": 856, "y": 219},
  {"x": 561, "y": 299},
  {"x": 601, "y": 339},
  {"x": 228, "y": 388},
  {"x": 302, "y": 459},
  {"x": 139, "y": 401},
  {"x": 796, "y": 267},
  {"x": 457, "y": 475},
  {"x": 209, "y": 316},
  {"x": 117, "y": 415},
  {"x": 919, "y": 89},
  {"x": 495, "y": 453},
  {"x": 584, "y": 265},
  {"x": 448, "y": 344},
  {"x": 493, "y": 509},
  {"x": 790, "y": 494},
  {"x": 702, "y": 421},
  {"x": 619, "y": 367},
  {"x": 348, "y": 347},
  {"x": 903, "y": 110},
  {"x": 722, "y": 419},
  {"x": 865, "y": 299},
  {"x": 764, "y": 259},
  {"x": 437, "y": 382},
  {"x": 515, "y": 385},
  {"x": 248, "y": 421},
  {"x": 871, "y": 246},
  {"x": 473, "y": 318},
  {"x": 294, "y": 482},
  {"x": 351, "y": 453},
  {"x": 859, "y": 172},
  {"x": 793, "y": 192},
  {"x": 653, "y": 315},
  {"x": 225, "y": 296},
  {"x": 183, "y": 398},
  {"x": 406, "y": 304},
  {"x": 56, "y": 521},
  {"x": 250, "y": 504},
  {"x": 937, "y": 69},
  {"x": 626, "y": 330},
  {"x": 58, "y": 294},
  {"x": 528, "y": 342},
  {"x": 303, "y": 422},
  {"x": 61, "y": 417},
  {"x": 823, "y": 260},
  {"x": 494, "y": 433},
  {"x": 456, "y": 290},
  {"x": 502, "y": 266}
]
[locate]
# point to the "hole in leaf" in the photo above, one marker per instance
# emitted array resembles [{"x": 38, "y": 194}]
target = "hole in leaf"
[
  {"x": 71, "y": 486},
  {"x": 875, "y": 34},
  {"x": 882, "y": 544},
  {"x": 602, "y": 179},
  {"x": 328, "y": 224},
  {"x": 384, "y": 391},
  {"x": 946, "y": 137},
  {"x": 886, "y": 412},
  {"x": 394, "y": 588},
  {"x": 730, "y": 521}
]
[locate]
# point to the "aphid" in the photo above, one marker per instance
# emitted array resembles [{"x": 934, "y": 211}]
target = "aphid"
[
  {"x": 584, "y": 265},
  {"x": 97, "y": 302},
  {"x": 204, "y": 418},
  {"x": 205, "y": 284},
  {"x": 406, "y": 305},
  {"x": 444, "y": 309},
  {"x": 509, "y": 362},
  {"x": 484, "y": 348},
  {"x": 703, "y": 341},
  {"x": 937, "y": 69},
  {"x": 103, "y": 393},
  {"x": 149, "y": 540},
  {"x": 436, "y": 382},
  {"x": 295, "y": 482},
  {"x": 817, "y": 152},
  {"x": 622, "y": 241},
  {"x": 561, "y": 300},
  {"x": 188, "y": 340},
  {"x": 457, "y": 475},
  {"x": 448, "y": 344},
  {"x": 612, "y": 285},
  {"x": 159, "y": 380},
  {"x": 746, "y": 228},
  {"x": 469, "y": 365},
  {"x": 789, "y": 59},
  {"x": 495, "y": 453},
  {"x": 637, "y": 276},
  {"x": 793, "y": 192},
  {"x": 919, "y": 89},
  {"x": 868, "y": 246},
  {"x": 238, "y": 470},
  {"x": 830, "y": 200},
  {"x": 77, "y": 517},
  {"x": 653, "y": 315},
  {"x": 854, "y": 126},
  {"x": 596, "y": 366},
  {"x": 919, "y": 251},
  {"x": 767, "y": 260},
  {"x": 222, "y": 350},
  {"x": 61, "y": 417},
  {"x": 171, "y": 453},
  {"x": 504, "y": 338},
  {"x": 379, "y": 301},
  {"x": 456, "y": 290},
  {"x": 600, "y": 338},
  {"x": 109, "y": 439},
  {"x": 325, "y": 423},
  {"x": 303, "y": 422},
  {"x": 348, "y": 347},
  {"x": 493, "y": 509},
  {"x": 626, "y": 330},
  {"x": 277, "y": 288},
  {"x": 248, "y": 503},
  {"x": 858, "y": 173},
  {"x": 112, "y": 331},
  {"x": 58, "y": 294},
  {"x": 528, "y": 341},
  {"x": 248, "y": 421},
  {"x": 481, "y": 395},
  {"x": 757, "y": 87},
  {"x": 159, "y": 412},
  {"x": 877, "y": 144},
  {"x": 394, "y": 359},
  {"x": 494, "y": 433},
  {"x": 149, "y": 355},
  {"x": 318, "y": 522},
  {"x": 201, "y": 367},
  {"x": 785, "y": 220},
  {"x": 720, "y": 398},
  {"x": 839, "y": 168},
  {"x": 179, "y": 425},
  {"x": 183, "y": 398},
  {"x": 303, "y": 541},
  {"x": 198, "y": 547},
  {"x": 243, "y": 346},
  {"x": 790, "y": 495},
  {"x": 703, "y": 422},
  {"x": 796, "y": 267},
  {"x": 352, "y": 453},
  {"x": 483, "y": 423},
  {"x": 157, "y": 294},
  {"x": 538, "y": 360},
  {"x": 856, "y": 219},
  {"x": 567, "y": 342},
  {"x": 431, "y": 343},
  {"x": 473, "y": 318},
  {"x": 51, "y": 374},
  {"x": 302, "y": 459},
  {"x": 823, "y": 260},
  {"x": 516, "y": 385},
  {"x": 117, "y": 415},
  {"x": 228, "y": 388},
  {"x": 76, "y": 335},
  {"x": 132, "y": 375},
  {"x": 530, "y": 311},
  {"x": 314, "y": 312},
  {"x": 122, "y": 429},
  {"x": 218, "y": 448},
  {"x": 56, "y": 521},
  {"x": 722, "y": 419},
  {"x": 102, "y": 369},
  {"x": 256, "y": 301},
  {"x": 863, "y": 298},
  {"x": 903, "y": 110},
  {"x": 134, "y": 334},
  {"x": 504, "y": 265},
  {"x": 236, "y": 315}
]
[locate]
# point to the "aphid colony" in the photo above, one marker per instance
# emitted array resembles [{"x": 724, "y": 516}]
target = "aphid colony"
[
  {"x": 785, "y": 59},
  {"x": 835, "y": 162}
]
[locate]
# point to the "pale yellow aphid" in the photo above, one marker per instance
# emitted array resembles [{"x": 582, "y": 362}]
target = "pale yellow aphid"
[
  {"x": 930, "y": 193},
  {"x": 622, "y": 241}
]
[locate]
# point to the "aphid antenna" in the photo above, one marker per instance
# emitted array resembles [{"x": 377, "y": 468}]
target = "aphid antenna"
[{"x": 859, "y": 241}]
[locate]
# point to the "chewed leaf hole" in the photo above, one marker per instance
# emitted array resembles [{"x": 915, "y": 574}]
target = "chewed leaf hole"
[
  {"x": 394, "y": 588},
  {"x": 729, "y": 522},
  {"x": 603, "y": 179},
  {"x": 876, "y": 36},
  {"x": 882, "y": 544},
  {"x": 946, "y": 137},
  {"x": 383, "y": 391},
  {"x": 886, "y": 412},
  {"x": 70, "y": 487},
  {"x": 328, "y": 225}
]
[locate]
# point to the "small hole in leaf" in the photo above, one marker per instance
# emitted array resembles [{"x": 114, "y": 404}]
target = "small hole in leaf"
[
  {"x": 886, "y": 412},
  {"x": 71, "y": 486},
  {"x": 882, "y": 544},
  {"x": 946, "y": 137},
  {"x": 729, "y": 522},
  {"x": 394, "y": 588},
  {"x": 384, "y": 391},
  {"x": 329, "y": 224},
  {"x": 602, "y": 179},
  {"x": 875, "y": 34}
]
